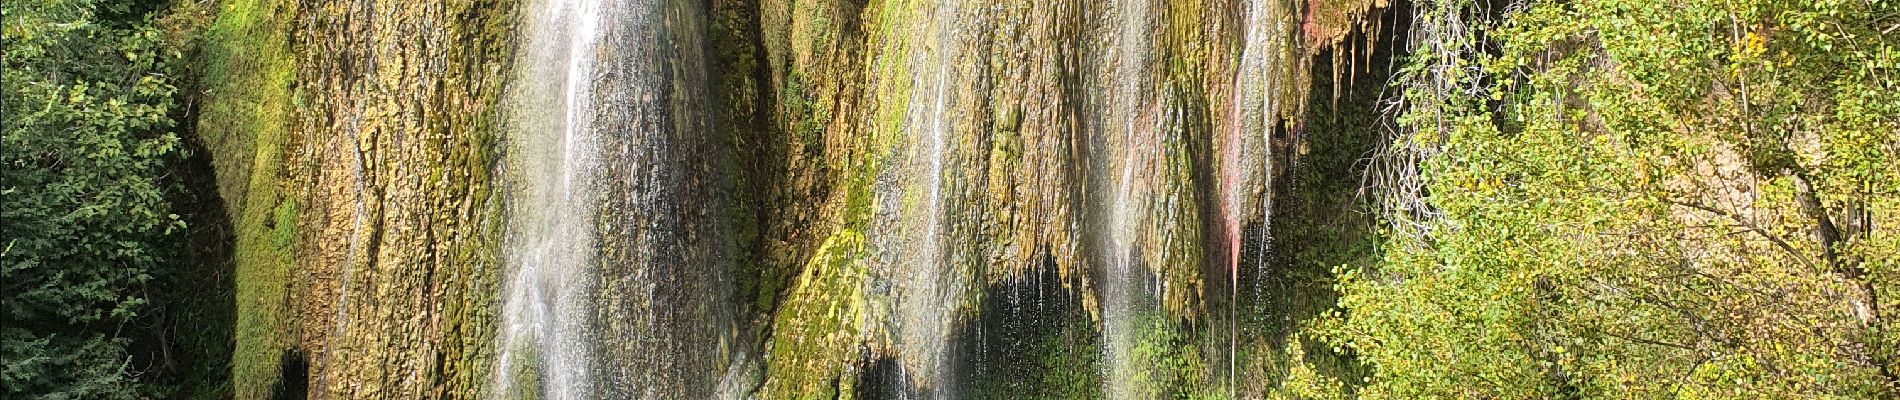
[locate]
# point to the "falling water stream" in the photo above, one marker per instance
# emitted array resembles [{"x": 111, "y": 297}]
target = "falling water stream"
[
  {"x": 543, "y": 343},
  {"x": 930, "y": 285},
  {"x": 1247, "y": 159},
  {"x": 1130, "y": 139},
  {"x": 614, "y": 287}
]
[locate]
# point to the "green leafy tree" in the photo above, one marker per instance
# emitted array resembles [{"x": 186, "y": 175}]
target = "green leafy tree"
[
  {"x": 87, "y": 145},
  {"x": 1641, "y": 199}
]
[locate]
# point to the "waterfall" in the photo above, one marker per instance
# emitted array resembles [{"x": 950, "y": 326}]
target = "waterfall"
[
  {"x": 549, "y": 240},
  {"x": 616, "y": 284},
  {"x": 1259, "y": 83},
  {"x": 932, "y": 284},
  {"x": 1130, "y": 139},
  {"x": 614, "y": 287}
]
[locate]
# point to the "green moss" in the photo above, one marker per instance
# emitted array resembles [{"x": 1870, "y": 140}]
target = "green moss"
[
  {"x": 245, "y": 122},
  {"x": 808, "y": 115},
  {"x": 813, "y": 30},
  {"x": 816, "y": 335},
  {"x": 486, "y": 30},
  {"x": 284, "y": 226},
  {"x": 528, "y": 384}
]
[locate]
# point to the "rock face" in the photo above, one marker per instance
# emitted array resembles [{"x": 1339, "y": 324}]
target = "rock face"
[
  {"x": 1123, "y": 144},
  {"x": 778, "y": 198},
  {"x": 390, "y": 167}
]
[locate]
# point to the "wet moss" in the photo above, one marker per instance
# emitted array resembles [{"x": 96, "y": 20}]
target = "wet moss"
[
  {"x": 273, "y": 76},
  {"x": 817, "y": 333},
  {"x": 808, "y": 116},
  {"x": 1176, "y": 239},
  {"x": 284, "y": 227},
  {"x": 528, "y": 383}
]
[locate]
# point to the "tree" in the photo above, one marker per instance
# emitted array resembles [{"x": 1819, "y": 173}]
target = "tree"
[
  {"x": 1630, "y": 198},
  {"x": 83, "y": 162}
]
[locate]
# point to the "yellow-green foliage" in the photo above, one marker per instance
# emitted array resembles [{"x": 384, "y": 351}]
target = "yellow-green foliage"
[
  {"x": 1302, "y": 380},
  {"x": 1645, "y": 200}
]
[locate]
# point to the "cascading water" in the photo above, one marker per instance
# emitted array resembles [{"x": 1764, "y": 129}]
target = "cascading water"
[
  {"x": 896, "y": 176},
  {"x": 1247, "y": 157},
  {"x": 543, "y": 343},
  {"x": 615, "y": 287},
  {"x": 1129, "y": 141},
  {"x": 930, "y": 284}
]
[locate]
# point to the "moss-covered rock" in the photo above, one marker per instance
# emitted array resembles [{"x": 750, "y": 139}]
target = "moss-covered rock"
[{"x": 842, "y": 139}]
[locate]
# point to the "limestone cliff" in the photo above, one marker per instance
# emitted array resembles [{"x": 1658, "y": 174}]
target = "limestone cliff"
[{"x": 828, "y": 183}]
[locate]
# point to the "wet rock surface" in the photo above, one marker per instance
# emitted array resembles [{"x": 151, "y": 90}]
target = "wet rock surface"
[
  {"x": 787, "y": 198},
  {"x": 390, "y": 179}
]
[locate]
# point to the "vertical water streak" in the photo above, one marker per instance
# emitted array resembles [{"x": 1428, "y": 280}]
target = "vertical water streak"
[
  {"x": 1250, "y": 79},
  {"x": 1263, "y": 82},
  {"x": 1267, "y": 90},
  {"x": 543, "y": 345},
  {"x": 1130, "y": 142},
  {"x": 615, "y": 288},
  {"x": 931, "y": 283}
]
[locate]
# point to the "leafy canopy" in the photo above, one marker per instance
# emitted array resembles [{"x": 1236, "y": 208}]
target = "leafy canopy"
[
  {"x": 1642, "y": 199},
  {"x": 87, "y": 144}
]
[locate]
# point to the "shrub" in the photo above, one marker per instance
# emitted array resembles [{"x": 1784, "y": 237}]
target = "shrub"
[{"x": 87, "y": 146}]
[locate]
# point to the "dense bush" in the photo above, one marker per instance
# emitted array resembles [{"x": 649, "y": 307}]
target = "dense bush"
[
  {"x": 87, "y": 148},
  {"x": 1641, "y": 199}
]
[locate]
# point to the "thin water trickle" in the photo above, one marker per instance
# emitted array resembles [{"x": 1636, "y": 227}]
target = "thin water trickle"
[
  {"x": 1261, "y": 82},
  {"x": 930, "y": 284},
  {"x": 1130, "y": 145}
]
